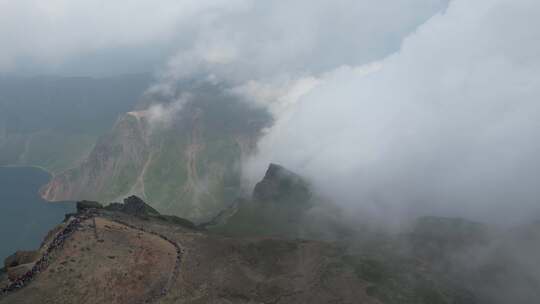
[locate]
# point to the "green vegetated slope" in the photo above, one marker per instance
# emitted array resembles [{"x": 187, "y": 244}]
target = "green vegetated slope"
[
  {"x": 112, "y": 167},
  {"x": 53, "y": 122},
  {"x": 190, "y": 167},
  {"x": 195, "y": 166}
]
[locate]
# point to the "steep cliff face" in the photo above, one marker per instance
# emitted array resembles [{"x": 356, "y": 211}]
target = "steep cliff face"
[
  {"x": 282, "y": 186},
  {"x": 111, "y": 168},
  {"x": 191, "y": 167}
]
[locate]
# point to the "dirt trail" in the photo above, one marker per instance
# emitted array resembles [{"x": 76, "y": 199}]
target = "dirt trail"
[
  {"x": 41, "y": 264},
  {"x": 95, "y": 223},
  {"x": 176, "y": 270}
]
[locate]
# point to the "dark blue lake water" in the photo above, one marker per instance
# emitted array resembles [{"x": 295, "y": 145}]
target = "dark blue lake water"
[{"x": 25, "y": 218}]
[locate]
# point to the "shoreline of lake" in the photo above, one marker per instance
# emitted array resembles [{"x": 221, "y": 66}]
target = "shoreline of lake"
[{"x": 25, "y": 217}]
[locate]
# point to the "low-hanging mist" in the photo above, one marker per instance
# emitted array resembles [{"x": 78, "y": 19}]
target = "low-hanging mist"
[
  {"x": 447, "y": 125},
  {"x": 226, "y": 38}
]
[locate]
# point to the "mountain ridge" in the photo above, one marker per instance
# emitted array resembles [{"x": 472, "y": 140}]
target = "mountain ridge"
[
  {"x": 184, "y": 265},
  {"x": 191, "y": 167}
]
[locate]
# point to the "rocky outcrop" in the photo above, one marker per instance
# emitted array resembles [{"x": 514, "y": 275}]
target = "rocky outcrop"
[
  {"x": 279, "y": 206},
  {"x": 19, "y": 271},
  {"x": 281, "y": 185},
  {"x": 20, "y": 263},
  {"x": 85, "y": 205},
  {"x": 135, "y": 206}
]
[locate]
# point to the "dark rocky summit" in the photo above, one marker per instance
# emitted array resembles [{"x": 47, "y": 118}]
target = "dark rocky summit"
[
  {"x": 277, "y": 207},
  {"x": 85, "y": 205},
  {"x": 281, "y": 185},
  {"x": 135, "y": 206}
]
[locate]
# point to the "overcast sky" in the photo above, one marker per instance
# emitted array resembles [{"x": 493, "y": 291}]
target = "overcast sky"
[{"x": 114, "y": 37}]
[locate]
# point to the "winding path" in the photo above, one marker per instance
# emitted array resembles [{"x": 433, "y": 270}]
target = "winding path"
[
  {"x": 39, "y": 266},
  {"x": 176, "y": 270},
  {"x": 73, "y": 225}
]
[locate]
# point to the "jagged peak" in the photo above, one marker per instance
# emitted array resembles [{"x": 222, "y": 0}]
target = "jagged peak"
[
  {"x": 280, "y": 184},
  {"x": 136, "y": 206}
]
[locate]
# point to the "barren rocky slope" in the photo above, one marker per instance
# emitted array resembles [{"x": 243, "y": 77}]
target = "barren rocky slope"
[{"x": 128, "y": 254}]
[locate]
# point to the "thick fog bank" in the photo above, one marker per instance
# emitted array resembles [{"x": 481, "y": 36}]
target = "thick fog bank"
[{"x": 447, "y": 125}]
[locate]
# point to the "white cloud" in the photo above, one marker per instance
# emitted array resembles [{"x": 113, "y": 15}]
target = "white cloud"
[
  {"x": 51, "y": 32},
  {"x": 448, "y": 124},
  {"x": 287, "y": 39},
  {"x": 161, "y": 115}
]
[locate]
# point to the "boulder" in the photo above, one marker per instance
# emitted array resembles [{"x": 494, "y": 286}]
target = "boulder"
[
  {"x": 135, "y": 206},
  {"x": 19, "y": 258},
  {"x": 18, "y": 271}
]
